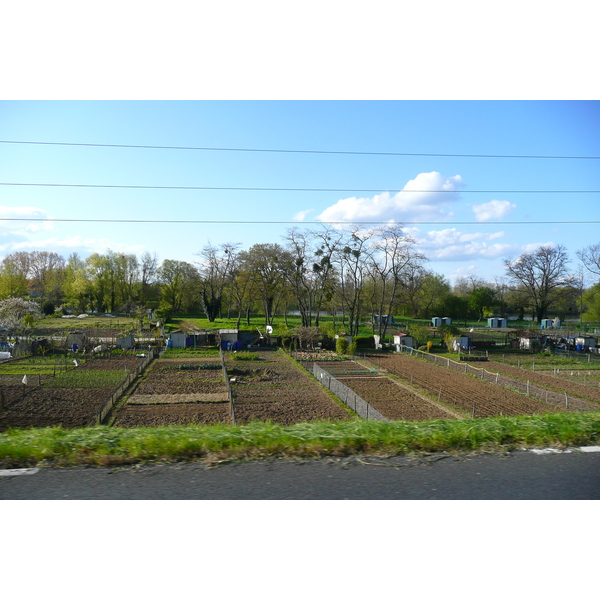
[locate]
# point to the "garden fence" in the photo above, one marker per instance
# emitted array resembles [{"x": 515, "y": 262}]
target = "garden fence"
[
  {"x": 119, "y": 390},
  {"x": 554, "y": 398},
  {"x": 228, "y": 385},
  {"x": 346, "y": 395}
]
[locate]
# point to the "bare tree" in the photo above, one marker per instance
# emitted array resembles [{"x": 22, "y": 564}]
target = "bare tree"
[
  {"x": 391, "y": 253},
  {"x": 148, "y": 271},
  {"x": 266, "y": 265},
  {"x": 590, "y": 257},
  {"x": 216, "y": 272},
  {"x": 540, "y": 275}
]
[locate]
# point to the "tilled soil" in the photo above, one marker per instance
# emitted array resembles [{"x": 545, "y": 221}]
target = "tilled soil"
[
  {"x": 571, "y": 387},
  {"x": 173, "y": 414},
  {"x": 480, "y": 398},
  {"x": 113, "y": 363},
  {"x": 273, "y": 388},
  {"x": 166, "y": 381},
  {"x": 393, "y": 401},
  {"x": 42, "y": 407},
  {"x": 168, "y": 396}
]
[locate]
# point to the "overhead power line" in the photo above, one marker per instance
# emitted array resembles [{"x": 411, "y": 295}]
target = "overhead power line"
[
  {"x": 270, "y": 189},
  {"x": 282, "y": 151},
  {"x": 245, "y": 222}
]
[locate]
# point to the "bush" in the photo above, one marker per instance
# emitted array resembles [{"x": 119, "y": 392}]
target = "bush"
[
  {"x": 341, "y": 345},
  {"x": 353, "y": 349},
  {"x": 48, "y": 308},
  {"x": 245, "y": 356},
  {"x": 364, "y": 341},
  {"x": 423, "y": 348}
]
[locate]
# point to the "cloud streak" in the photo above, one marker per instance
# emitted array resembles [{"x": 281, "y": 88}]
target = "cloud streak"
[
  {"x": 419, "y": 200},
  {"x": 495, "y": 209}
]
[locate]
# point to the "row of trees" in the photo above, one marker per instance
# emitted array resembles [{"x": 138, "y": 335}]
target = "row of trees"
[{"x": 350, "y": 274}]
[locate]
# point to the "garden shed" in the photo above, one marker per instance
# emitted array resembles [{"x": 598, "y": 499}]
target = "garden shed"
[
  {"x": 76, "y": 340},
  {"x": 126, "y": 341},
  {"x": 585, "y": 343},
  {"x": 177, "y": 339},
  {"x": 388, "y": 319},
  {"x": 496, "y": 322},
  {"x": 550, "y": 323},
  {"x": 404, "y": 340},
  {"x": 462, "y": 342},
  {"x": 529, "y": 343}
]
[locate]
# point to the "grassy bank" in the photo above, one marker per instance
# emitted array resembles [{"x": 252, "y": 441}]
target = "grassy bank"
[{"x": 113, "y": 446}]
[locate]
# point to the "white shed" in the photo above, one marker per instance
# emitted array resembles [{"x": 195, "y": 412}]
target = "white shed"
[
  {"x": 404, "y": 340},
  {"x": 177, "y": 339},
  {"x": 585, "y": 342}
]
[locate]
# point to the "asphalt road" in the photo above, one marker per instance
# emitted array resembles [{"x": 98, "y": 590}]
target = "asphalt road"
[{"x": 523, "y": 475}]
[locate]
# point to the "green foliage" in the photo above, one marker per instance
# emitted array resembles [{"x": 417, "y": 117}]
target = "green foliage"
[
  {"x": 341, "y": 345},
  {"x": 48, "y": 308},
  {"x": 192, "y": 367},
  {"x": 364, "y": 342},
  {"x": 353, "y": 348},
  {"x": 110, "y": 445},
  {"x": 245, "y": 356}
]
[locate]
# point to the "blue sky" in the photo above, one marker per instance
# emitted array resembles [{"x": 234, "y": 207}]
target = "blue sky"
[{"x": 548, "y": 128}]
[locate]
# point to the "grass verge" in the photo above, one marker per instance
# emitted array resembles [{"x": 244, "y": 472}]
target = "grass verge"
[{"x": 103, "y": 446}]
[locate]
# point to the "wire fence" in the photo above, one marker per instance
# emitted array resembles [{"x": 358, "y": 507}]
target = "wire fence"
[
  {"x": 228, "y": 386},
  {"x": 559, "y": 399},
  {"x": 346, "y": 395},
  {"x": 116, "y": 394}
]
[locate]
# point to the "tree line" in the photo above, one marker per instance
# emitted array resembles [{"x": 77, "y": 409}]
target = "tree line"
[{"x": 350, "y": 274}]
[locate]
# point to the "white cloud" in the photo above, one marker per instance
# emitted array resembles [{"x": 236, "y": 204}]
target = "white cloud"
[
  {"x": 535, "y": 245},
  {"x": 300, "y": 216},
  {"x": 495, "y": 209},
  {"x": 454, "y": 245},
  {"x": 73, "y": 243},
  {"x": 419, "y": 200},
  {"x": 24, "y": 212}
]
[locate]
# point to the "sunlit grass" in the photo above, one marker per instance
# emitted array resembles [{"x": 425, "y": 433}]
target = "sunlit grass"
[{"x": 108, "y": 445}]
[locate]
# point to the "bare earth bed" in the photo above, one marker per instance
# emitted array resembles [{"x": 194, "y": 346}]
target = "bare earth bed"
[
  {"x": 589, "y": 392},
  {"x": 42, "y": 407},
  {"x": 479, "y": 398},
  {"x": 273, "y": 388},
  {"x": 394, "y": 402},
  {"x": 177, "y": 398},
  {"x": 168, "y": 396},
  {"x": 173, "y": 414}
]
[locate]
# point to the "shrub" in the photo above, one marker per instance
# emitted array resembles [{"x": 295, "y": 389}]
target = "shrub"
[
  {"x": 245, "y": 356},
  {"x": 364, "y": 341},
  {"x": 353, "y": 349},
  {"x": 48, "y": 308},
  {"x": 341, "y": 345}
]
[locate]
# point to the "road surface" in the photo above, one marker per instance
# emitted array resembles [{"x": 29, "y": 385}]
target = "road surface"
[{"x": 522, "y": 475}]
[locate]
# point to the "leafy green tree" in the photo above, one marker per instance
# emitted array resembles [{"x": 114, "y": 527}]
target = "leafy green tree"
[
  {"x": 178, "y": 280},
  {"x": 13, "y": 282},
  {"x": 482, "y": 299}
]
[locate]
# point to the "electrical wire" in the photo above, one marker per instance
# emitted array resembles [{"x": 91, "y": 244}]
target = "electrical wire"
[
  {"x": 281, "y": 151},
  {"x": 269, "y": 189},
  {"x": 245, "y": 222}
]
